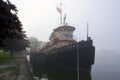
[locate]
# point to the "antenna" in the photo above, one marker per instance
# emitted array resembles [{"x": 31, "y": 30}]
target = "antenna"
[
  {"x": 64, "y": 20},
  {"x": 87, "y": 30}
]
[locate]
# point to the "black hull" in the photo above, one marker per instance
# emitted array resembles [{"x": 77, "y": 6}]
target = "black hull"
[{"x": 65, "y": 58}]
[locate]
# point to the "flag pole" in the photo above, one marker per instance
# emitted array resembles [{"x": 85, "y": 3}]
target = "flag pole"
[{"x": 61, "y": 14}]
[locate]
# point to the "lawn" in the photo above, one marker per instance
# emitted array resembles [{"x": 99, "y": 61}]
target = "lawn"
[
  {"x": 13, "y": 64},
  {"x": 5, "y": 57}
]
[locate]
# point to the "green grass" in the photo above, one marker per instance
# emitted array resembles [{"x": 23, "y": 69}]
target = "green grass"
[{"x": 5, "y": 57}]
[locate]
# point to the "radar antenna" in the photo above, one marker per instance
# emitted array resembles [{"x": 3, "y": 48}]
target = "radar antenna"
[{"x": 87, "y": 30}]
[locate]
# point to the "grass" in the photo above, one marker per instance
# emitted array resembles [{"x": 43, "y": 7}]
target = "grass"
[{"x": 5, "y": 59}]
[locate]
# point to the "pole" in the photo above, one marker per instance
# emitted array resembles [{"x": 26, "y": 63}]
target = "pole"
[
  {"x": 61, "y": 14},
  {"x": 87, "y": 30},
  {"x": 64, "y": 20},
  {"x": 77, "y": 61}
]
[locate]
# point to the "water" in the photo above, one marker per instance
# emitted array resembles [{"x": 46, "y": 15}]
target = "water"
[{"x": 106, "y": 67}]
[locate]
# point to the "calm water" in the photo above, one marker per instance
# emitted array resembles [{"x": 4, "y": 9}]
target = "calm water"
[{"x": 106, "y": 67}]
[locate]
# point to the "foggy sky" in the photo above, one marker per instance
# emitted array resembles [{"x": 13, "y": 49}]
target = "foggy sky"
[{"x": 39, "y": 18}]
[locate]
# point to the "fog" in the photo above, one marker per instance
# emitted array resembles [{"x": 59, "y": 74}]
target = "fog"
[{"x": 40, "y": 17}]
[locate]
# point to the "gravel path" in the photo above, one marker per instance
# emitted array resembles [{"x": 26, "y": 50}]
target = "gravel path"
[{"x": 23, "y": 72}]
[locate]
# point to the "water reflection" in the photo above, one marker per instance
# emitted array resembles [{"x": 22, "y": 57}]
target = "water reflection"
[
  {"x": 41, "y": 70},
  {"x": 60, "y": 74},
  {"x": 67, "y": 75}
]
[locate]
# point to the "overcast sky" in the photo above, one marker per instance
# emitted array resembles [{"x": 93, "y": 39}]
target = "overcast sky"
[{"x": 40, "y": 17}]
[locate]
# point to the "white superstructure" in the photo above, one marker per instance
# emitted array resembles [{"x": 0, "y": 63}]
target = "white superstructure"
[{"x": 60, "y": 37}]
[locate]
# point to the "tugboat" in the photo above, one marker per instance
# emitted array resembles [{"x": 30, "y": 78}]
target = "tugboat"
[{"x": 63, "y": 52}]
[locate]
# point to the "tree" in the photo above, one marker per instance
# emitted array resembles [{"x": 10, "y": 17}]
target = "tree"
[
  {"x": 13, "y": 45},
  {"x": 10, "y": 26},
  {"x": 34, "y": 44},
  {"x": 12, "y": 36}
]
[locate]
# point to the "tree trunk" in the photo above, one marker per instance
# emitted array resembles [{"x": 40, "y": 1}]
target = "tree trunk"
[{"x": 11, "y": 54}]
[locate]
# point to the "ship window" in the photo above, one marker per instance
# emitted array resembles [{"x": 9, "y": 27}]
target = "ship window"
[{"x": 67, "y": 35}]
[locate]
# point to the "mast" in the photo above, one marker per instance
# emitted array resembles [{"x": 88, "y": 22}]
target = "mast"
[
  {"x": 60, "y": 10},
  {"x": 61, "y": 14},
  {"x": 64, "y": 20},
  {"x": 87, "y": 30}
]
